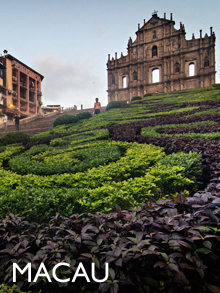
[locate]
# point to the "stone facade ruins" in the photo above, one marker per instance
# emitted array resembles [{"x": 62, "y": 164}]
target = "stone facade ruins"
[{"x": 161, "y": 60}]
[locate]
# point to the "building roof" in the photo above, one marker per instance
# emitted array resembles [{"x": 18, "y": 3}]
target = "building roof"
[
  {"x": 51, "y": 107},
  {"x": 13, "y": 58}
]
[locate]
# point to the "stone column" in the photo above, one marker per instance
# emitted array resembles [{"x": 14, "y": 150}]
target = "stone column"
[
  {"x": 199, "y": 69},
  {"x": 35, "y": 95},
  {"x": 27, "y": 95},
  {"x": 18, "y": 89}
]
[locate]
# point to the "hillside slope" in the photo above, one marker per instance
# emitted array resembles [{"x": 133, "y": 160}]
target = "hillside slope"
[
  {"x": 136, "y": 187},
  {"x": 40, "y": 123}
]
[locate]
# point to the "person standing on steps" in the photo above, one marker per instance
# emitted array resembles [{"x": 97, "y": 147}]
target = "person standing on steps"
[
  {"x": 5, "y": 120},
  {"x": 97, "y": 106},
  {"x": 16, "y": 119}
]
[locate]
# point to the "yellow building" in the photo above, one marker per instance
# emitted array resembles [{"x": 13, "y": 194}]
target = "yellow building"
[{"x": 20, "y": 88}]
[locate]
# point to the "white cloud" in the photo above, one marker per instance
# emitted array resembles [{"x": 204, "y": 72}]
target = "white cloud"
[{"x": 69, "y": 83}]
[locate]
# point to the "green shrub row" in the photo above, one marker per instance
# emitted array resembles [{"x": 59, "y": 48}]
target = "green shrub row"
[
  {"x": 115, "y": 104},
  {"x": 136, "y": 98},
  {"x": 79, "y": 138},
  {"x": 47, "y": 160},
  {"x": 143, "y": 174},
  {"x": 69, "y": 119},
  {"x": 68, "y": 162},
  {"x": 14, "y": 138},
  {"x": 149, "y": 103},
  {"x": 155, "y": 131}
]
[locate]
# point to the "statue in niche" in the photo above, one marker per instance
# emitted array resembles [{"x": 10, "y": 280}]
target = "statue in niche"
[
  {"x": 141, "y": 52},
  {"x": 134, "y": 54}
]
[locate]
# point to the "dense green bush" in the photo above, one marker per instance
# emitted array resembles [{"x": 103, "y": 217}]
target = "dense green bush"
[
  {"x": 113, "y": 104},
  {"x": 65, "y": 119},
  {"x": 143, "y": 173},
  {"x": 148, "y": 95},
  {"x": 136, "y": 98},
  {"x": 83, "y": 115},
  {"x": 68, "y": 157},
  {"x": 15, "y": 137},
  {"x": 69, "y": 119},
  {"x": 44, "y": 160},
  {"x": 191, "y": 162},
  {"x": 65, "y": 162}
]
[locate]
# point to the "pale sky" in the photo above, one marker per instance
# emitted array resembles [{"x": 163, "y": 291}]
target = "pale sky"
[{"x": 68, "y": 41}]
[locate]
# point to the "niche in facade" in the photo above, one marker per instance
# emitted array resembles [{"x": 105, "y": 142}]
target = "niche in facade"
[
  {"x": 206, "y": 63},
  {"x": 177, "y": 67},
  {"x": 135, "y": 75},
  {"x": 154, "y": 51}
]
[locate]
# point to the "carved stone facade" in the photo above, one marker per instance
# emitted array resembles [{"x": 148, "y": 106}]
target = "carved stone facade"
[{"x": 161, "y": 60}]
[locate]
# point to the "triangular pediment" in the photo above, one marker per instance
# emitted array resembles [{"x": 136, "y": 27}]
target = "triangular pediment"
[{"x": 155, "y": 21}]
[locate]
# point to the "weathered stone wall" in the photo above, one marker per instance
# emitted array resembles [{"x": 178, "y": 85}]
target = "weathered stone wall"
[{"x": 159, "y": 45}]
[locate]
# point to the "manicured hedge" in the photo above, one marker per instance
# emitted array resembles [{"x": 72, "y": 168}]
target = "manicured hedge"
[
  {"x": 69, "y": 119},
  {"x": 130, "y": 174},
  {"x": 15, "y": 137},
  {"x": 113, "y": 104},
  {"x": 65, "y": 119},
  {"x": 83, "y": 115},
  {"x": 148, "y": 95},
  {"x": 136, "y": 98}
]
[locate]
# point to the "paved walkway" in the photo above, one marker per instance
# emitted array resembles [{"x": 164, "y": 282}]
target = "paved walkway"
[{"x": 39, "y": 123}]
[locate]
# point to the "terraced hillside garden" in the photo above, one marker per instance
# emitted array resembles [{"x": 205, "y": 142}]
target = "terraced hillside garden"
[{"x": 135, "y": 186}]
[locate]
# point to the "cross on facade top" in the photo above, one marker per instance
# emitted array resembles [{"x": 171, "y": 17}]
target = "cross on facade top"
[{"x": 155, "y": 12}]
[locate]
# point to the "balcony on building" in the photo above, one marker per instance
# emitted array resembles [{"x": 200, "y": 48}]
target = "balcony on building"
[
  {"x": 32, "y": 108},
  {"x": 31, "y": 84},
  {"x": 23, "y": 92},
  {"x": 20, "y": 84},
  {"x": 31, "y": 97},
  {"x": 39, "y": 93},
  {"x": 14, "y": 76},
  {"x": 23, "y": 80},
  {"x": 23, "y": 106}
]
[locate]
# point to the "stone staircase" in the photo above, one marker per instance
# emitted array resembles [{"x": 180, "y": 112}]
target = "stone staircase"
[{"x": 39, "y": 123}]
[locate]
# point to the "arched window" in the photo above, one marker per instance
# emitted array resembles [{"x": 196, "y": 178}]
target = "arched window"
[
  {"x": 135, "y": 75},
  {"x": 177, "y": 67},
  {"x": 154, "y": 35},
  {"x": 154, "y": 51},
  {"x": 191, "y": 69},
  {"x": 206, "y": 63},
  {"x": 155, "y": 75},
  {"x": 124, "y": 82}
]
